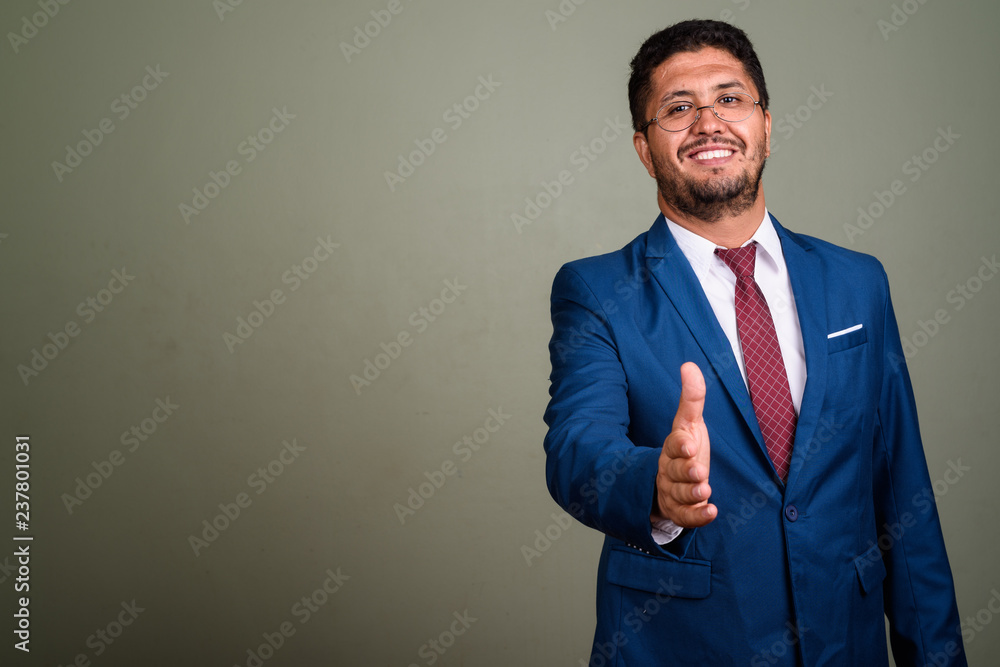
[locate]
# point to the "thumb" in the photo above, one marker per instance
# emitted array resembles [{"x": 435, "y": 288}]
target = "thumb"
[{"x": 692, "y": 396}]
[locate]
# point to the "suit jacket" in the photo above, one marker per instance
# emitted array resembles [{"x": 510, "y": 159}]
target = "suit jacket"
[{"x": 796, "y": 573}]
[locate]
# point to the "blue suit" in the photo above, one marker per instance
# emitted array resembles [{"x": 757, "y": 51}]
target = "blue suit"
[{"x": 796, "y": 573}]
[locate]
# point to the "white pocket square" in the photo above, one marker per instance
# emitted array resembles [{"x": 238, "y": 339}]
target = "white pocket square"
[{"x": 844, "y": 331}]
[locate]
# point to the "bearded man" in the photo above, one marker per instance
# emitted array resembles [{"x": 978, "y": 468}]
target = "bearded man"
[{"x": 730, "y": 406}]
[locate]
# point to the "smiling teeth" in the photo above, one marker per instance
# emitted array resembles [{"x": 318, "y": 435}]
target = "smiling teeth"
[{"x": 711, "y": 155}]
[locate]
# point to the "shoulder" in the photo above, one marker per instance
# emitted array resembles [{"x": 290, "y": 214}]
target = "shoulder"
[
  {"x": 601, "y": 272},
  {"x": 835, "y": 259}
]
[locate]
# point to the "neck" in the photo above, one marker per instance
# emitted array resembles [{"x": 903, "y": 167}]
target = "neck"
[{"x": 730, "y": 231}]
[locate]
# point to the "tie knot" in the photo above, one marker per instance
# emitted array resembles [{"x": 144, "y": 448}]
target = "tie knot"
[{"x": 740, "y": 260}]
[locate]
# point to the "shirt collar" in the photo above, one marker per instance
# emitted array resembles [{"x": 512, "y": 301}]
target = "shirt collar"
[{"x": 700, "y": 252}]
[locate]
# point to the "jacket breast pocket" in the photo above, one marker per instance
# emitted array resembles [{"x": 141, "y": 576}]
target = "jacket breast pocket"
[
  {"x": 846, "y": 341},
  {"x": 672, "y": 578},
  {"x": 849, "y": 380}
]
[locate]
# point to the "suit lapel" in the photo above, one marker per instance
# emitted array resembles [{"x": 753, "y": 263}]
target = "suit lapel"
[
  {"x": 805, "y": 273},
  {"x": 670, "y": 268}
]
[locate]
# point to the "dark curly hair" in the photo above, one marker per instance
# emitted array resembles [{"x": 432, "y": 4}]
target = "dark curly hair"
[{"x": 688, "y": 36}]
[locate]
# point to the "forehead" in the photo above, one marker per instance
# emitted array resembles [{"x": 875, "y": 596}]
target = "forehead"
[{"x": 699, "y": 72}]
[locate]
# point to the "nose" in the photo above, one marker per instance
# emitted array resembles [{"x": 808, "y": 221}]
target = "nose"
[{"x": 707, "y": 122}]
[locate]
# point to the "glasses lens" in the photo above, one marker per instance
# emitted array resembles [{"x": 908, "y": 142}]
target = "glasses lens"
[
  {"x": 676, "y": 116},
  {"x": 734, "y": 107}
]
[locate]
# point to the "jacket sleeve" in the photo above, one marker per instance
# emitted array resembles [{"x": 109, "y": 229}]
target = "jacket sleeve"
[
  {"x": 918, "y": 589},
  {"x": 593, "y": 470}
]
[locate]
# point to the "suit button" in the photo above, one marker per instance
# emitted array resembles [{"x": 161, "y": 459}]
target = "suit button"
[{"x": 791, "y": 513}]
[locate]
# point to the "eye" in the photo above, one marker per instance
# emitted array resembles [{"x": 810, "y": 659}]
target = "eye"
[
  {"x": 677, "y": 109},
  {"x": 728, "y": 100}
]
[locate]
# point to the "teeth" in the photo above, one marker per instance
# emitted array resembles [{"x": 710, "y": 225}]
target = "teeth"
[{"x": 711, "y": 155}]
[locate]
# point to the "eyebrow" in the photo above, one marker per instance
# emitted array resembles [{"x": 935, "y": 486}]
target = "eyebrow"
[{"x": 688, "y": 93}]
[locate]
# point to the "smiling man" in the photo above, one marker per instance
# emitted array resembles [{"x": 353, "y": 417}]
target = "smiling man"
[{"x": 731, "y": 408}]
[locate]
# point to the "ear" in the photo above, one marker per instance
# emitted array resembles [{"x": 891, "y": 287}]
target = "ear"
[
  {"x": 642, "y": 148},
  {"x": 767, "y": 132}
]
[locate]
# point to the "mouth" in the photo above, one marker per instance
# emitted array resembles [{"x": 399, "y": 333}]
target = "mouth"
[{"x": 711, "y": 155}]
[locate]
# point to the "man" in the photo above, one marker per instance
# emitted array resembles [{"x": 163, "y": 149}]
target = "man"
[{"x": 730, "y": 406}]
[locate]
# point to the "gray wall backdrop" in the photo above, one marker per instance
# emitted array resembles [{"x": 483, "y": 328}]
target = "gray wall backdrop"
[{"x": 199, "y": 246}]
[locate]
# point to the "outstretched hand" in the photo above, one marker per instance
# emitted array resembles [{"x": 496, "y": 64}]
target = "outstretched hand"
[{"x": 682, "y": 489}]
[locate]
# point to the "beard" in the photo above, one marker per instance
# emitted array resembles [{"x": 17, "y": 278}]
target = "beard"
[{"x": 715, "y": 198}]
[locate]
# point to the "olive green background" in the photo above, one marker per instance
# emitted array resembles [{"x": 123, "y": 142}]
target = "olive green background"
[{"x": 554, "y": 87}]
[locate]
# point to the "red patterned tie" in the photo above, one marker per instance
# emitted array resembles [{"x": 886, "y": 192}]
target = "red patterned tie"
[{"x": 772, "y": 400}]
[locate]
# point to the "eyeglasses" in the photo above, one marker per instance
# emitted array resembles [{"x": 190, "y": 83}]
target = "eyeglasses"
[{"x": 682, "y": 114}]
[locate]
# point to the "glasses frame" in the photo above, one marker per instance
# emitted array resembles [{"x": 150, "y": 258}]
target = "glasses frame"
[{"x": 697, "y": 110}]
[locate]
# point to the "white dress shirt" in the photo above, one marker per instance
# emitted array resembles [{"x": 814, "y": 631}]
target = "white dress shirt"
[{"x": 719, "y": 284}]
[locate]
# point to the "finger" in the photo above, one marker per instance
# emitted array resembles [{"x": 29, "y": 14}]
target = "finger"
[
  {"x": 690, "y": 494},
  {"x": 688, "y": 516},
  {"x": 685, "y": 471},
  {"x": 692, "y": 402},
  {"x": 681, "y": 444}
]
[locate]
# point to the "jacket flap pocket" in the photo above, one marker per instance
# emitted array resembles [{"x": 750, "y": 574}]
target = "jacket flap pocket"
[
  {"x": 871, "y": 569},
  {"x": 663, "y": 576}
]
